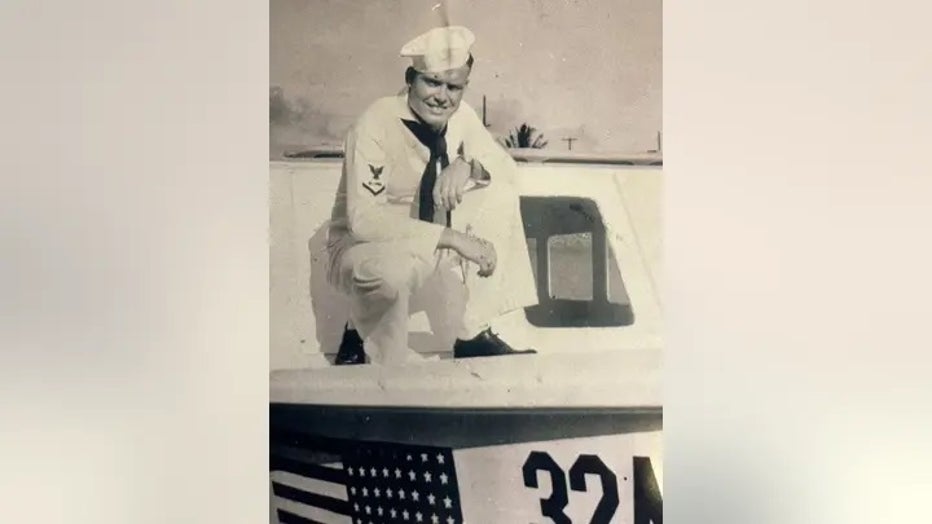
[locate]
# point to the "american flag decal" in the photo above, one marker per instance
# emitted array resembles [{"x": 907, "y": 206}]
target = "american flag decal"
[
  {"x": 343, "y": 482},
  {"x": 401, "y": 483}
]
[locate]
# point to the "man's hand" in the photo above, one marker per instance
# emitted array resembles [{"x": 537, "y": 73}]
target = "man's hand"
[
  {"x": 481, "y": 252},
  {"x": 472, "y": 248},
  {"x": 451, "y": 183}
]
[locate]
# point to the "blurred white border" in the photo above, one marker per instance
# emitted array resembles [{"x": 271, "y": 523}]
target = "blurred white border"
[{"x": 134, "y": 295}]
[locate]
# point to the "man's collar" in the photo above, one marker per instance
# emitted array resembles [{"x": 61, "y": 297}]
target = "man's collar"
[{"x": 403, "y": 110}]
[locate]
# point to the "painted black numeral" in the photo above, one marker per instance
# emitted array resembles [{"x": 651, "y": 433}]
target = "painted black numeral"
[
  {"x": 554, "y": 505},
  {"x": 648, "y": 502},
  {"x": 608, "y": 504}
]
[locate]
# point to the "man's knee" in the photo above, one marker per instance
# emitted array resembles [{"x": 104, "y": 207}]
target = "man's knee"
[{"x": 382, "y": 280}]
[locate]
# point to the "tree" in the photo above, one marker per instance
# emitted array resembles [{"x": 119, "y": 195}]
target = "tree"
[{"x": 523, "y": 136}]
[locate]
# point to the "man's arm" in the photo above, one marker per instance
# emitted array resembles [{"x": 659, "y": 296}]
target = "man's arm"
[
  {"x": 491, "y": 162},
  {"x": 481, "y": 162},
  {"x": 477, "y": 250},
  {"x": 368, "y": 174}
]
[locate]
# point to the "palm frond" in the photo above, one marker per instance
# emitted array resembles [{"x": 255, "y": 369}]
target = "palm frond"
[{"x": 523, "y": 136}]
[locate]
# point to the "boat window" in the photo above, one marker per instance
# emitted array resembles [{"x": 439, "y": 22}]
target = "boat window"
[{"x": 579, "y": 283}]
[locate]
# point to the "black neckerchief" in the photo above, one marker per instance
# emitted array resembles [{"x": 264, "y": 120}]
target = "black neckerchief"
[{"x": 436, "y": 143}]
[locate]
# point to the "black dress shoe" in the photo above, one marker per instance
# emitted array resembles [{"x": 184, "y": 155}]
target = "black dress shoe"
[
  {"x": 486, "y": 344},
  {"x": 351, "y": 351}
]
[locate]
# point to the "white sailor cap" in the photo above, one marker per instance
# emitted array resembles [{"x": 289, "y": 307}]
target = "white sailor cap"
[{"x": 440, "y": 49}]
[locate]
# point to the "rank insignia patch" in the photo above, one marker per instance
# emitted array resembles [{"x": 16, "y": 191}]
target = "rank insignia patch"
[{"x": 374, "y": 185}]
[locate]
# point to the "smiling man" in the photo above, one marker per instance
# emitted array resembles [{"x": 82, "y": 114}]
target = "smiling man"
[{"x": 427, "y": 200}]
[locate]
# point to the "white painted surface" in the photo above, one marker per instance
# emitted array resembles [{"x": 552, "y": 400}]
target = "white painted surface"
[
  {"x": 484, "y": 474},
  {"x": 301, "y": 199},
  {"x": 587, "y": 379},
  {"x": 615, "y": 366}
]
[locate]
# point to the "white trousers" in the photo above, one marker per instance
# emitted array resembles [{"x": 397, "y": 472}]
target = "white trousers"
[{"x": 384, "y": 279}]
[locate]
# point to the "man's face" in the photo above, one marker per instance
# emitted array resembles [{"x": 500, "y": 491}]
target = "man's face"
[{"x": 436, "y": 96}]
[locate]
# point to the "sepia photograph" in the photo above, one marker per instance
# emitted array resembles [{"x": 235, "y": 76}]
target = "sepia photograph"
[
  {"x": 466, "y": 321},
  {"x": 515, "y": 262},
  {"x": 523, "y": 262}
]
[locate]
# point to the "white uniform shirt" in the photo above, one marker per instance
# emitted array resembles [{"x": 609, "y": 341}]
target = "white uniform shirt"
[{"x": 377, "y": 199}]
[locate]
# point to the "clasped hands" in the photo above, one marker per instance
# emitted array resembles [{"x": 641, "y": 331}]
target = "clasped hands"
[
  {"x": 448, "y": 192},
  {"x": 451, "y": 184}
]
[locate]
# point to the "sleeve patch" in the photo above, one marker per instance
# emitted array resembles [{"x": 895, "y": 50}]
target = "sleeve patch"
[{"x": 374, "y": 185}]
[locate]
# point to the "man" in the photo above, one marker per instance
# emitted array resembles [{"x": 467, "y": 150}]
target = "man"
[{"x": 427, "y": 195}]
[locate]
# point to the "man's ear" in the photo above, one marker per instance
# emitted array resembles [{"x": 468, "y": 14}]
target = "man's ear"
[{"x": 410, "y": 75}]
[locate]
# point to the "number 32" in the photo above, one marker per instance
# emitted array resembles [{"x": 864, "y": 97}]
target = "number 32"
[{"x": 554, "y": 505}]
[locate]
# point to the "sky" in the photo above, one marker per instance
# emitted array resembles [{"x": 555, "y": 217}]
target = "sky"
[{"x": 586, "y": 69}]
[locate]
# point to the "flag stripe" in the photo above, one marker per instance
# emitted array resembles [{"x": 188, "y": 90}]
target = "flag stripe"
[
  {"x": 297, "y": 511},
  {"x": 314, "y": 471},
  {"x": 311, "y": 499},
  {"x": 310, "y": 512},
  {"x": 320, "y": 487},
  {"x": 286, "y": 517}
]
